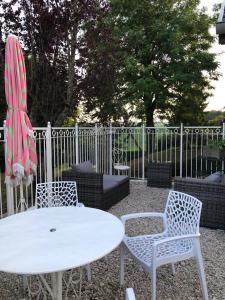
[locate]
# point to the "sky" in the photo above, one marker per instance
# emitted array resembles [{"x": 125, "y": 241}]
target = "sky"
[{"x": 217, "y": 101}]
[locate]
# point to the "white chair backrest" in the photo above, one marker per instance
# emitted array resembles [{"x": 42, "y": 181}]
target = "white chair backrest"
[
  {"x": 182, "y": 214},
  {"x": 119, "y": 156},
  {"x": 130, "y": 294},
  {"x": 58, "y": 193}
]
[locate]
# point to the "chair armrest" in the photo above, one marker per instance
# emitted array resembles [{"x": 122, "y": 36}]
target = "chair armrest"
[
  {"x": 197, "y": 184},
  {"x": 168, "y": 243},
  {"x": 202, "y": 189},
  {"x": 124, "y": 218}
]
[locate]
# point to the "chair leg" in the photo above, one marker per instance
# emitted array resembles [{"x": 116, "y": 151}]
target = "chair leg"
[
  {"x": 122, "y": 256},
  {"x": 173, "y": 269},
  {"x": 201, "y": 272},
  {"x": 153, "y": 283},
  {"x": 88, "y": 270}
]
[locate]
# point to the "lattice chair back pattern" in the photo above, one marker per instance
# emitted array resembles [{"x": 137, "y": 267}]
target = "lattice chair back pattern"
[
  {"x": 120, "y": 160},
  {"x": 182, "y": 214},
  {"x": 179, "y": 240},
  {"x": 58, "y": 193}
]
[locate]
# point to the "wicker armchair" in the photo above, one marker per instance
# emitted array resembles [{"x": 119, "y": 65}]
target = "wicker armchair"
[
  {"x": 212, "y": 196},
  {"x": 96, "y": 190},
  {"x": 159, "y": 174}
]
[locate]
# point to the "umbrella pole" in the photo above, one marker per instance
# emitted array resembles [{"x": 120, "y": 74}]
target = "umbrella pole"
[{"x": 22, "y": 199}]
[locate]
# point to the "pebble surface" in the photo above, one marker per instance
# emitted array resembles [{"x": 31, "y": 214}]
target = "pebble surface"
[{"x": 184, "y": 285}]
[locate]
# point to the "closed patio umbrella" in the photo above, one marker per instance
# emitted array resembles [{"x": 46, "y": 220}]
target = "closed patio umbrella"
[{"x": 20, "y": 149}]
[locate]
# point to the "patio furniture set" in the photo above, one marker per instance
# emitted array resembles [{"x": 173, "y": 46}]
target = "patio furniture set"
[{"x": 62, "y": 234}]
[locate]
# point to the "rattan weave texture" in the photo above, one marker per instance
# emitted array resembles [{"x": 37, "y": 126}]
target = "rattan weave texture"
[
  {"x": 159, "y": 174},
  {"x": 212, "y": 196},
  {"x": 90, "y": 189}
]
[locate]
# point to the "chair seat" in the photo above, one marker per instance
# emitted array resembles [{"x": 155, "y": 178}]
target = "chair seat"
[
  {"x": 121, "y": 167},
  {"x": 141, "y": 247},
  {"x": 112, "y": 181}
]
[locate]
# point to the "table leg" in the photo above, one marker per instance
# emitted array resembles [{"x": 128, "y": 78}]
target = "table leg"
[{"x": 57, "y": 285}]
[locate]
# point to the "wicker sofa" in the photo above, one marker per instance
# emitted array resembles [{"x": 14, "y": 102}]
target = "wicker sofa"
[
  {"x": 212, "y": 195},
  {"x": 98, "y": 190}
]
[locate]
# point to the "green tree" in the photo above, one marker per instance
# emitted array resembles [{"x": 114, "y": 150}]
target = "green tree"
[
  {"x": 53, "y": 35},
  {"x": 101, "y": 85},
  {"x": 215, "y": 117},
  {"x": 167, "y": 67}
]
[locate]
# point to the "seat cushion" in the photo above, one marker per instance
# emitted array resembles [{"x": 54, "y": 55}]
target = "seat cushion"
[
  {"x": 215, "y": 177},
  {"x": 116, "y": 178},
  {"x": 84, "y": 167},
  {"x": 111, "y": 181}
]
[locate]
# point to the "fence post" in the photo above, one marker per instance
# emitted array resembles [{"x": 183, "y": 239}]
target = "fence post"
[
  {"x": 110, "y": 149},
  {"x": 181, "y": 149},
  {"x": 143, "y": 151},
  {"x": 76, "y": 143},
  {"x": 9, "y": 188},
  {"x": 49, "y": 152},
  {"x": 223, "y": 136},
  {"x": 96, "y": 147}
]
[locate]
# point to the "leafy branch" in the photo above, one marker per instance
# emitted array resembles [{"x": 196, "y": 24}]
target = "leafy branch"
[{"x": 220, "y": 143}]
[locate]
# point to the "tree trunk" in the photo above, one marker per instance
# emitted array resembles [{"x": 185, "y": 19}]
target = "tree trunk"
[
  {"x": 70, "y": 101},
  {"x": 149, "y": 113},
  {"x": 149, "y": 118},
  {"x": 149, "y": 105}
]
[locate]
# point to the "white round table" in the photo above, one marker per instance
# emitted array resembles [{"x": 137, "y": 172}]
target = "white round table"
[{"x": 52, "y": 240}]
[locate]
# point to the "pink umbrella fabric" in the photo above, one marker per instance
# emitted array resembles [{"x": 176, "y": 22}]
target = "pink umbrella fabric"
[{"x": 20, "y": 156}]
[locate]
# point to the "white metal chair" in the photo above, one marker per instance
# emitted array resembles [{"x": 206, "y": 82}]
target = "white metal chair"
[
  {"x": 130, "y": 294},
  {"x": 179, "y": 240},
  {"x": 120, "y": 160},
  {"x": 56, "y": 194}
]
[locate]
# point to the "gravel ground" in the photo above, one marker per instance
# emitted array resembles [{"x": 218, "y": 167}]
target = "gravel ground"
[{"x": 184, "y": 285}]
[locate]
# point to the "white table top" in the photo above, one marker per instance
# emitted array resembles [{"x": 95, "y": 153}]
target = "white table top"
[{"x": 82, "y": 235}]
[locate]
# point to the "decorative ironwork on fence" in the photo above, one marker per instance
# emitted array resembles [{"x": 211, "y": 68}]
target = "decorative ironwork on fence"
[{"x": 60, "y": 147}]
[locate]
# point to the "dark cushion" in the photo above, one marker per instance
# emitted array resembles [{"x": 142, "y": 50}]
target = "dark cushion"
[
  {"x": 116, "y": 178},
  {"x": 111, "y": 181},
  {"x": 215, "y": 177},
  {"x": 84, "y": 167}
]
